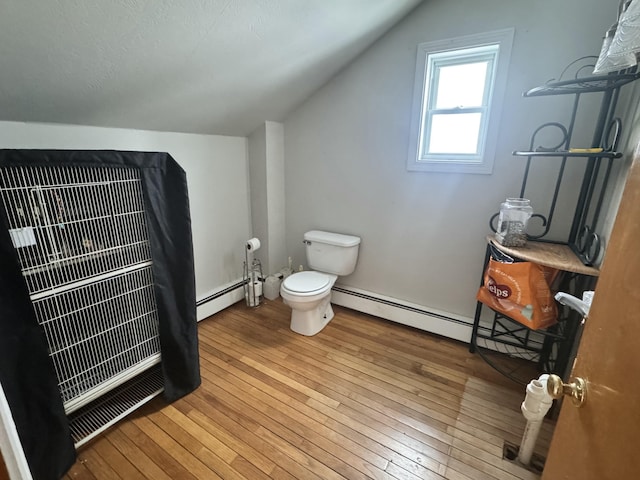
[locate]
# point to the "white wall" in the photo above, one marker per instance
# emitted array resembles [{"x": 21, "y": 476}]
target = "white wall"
[
  {"x": 346, "y": 149},
  {"x": 217, "y": 178}
]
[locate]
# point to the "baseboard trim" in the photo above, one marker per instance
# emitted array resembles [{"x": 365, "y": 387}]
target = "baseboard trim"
[
  {"x": 446, "y": 324},
  {"x": 219, "y": 299}
]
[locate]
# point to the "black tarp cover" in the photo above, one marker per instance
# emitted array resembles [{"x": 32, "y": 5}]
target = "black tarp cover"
[{"x": 26, "y": 372}]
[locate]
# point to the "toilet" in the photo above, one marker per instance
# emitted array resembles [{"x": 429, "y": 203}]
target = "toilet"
[{"x": 309, "y": 293}]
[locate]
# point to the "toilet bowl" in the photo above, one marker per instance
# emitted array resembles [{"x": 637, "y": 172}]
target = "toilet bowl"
[{"x": 309, "y": 296}]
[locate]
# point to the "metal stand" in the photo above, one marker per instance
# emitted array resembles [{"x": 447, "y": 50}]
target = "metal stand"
[
  {"x": 554, "y": 348},
  {"x": 252, "y": 280}
]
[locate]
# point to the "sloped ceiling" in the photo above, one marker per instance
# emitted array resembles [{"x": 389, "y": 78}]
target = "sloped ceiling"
[{"x": 198, "y": 66}]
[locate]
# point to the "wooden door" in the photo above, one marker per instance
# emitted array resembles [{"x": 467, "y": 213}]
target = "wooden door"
[{"x": 601, "y": 440}]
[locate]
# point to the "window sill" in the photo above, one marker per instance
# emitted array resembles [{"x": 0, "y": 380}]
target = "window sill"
[{"x": 452, "y": 166}]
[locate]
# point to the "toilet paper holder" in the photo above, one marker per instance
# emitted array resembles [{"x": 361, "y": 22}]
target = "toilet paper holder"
[{"x": 252, "y": 274}]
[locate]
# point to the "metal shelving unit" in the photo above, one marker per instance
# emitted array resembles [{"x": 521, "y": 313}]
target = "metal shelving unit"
[{"x": 552, "y": 348}]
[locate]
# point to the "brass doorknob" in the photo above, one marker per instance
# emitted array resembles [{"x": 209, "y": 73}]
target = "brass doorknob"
[{"x": 577, "y": 389}]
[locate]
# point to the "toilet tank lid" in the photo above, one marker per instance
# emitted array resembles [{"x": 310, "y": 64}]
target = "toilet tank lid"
[{"x": 329, "y": 238}]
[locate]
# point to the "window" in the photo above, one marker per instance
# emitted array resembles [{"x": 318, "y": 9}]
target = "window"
[{"x": 457, "y": 100}]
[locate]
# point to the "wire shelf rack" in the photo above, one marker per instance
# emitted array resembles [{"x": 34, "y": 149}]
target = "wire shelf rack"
[
  {"x": 81, "y": 238},
  {"x": 73, "y": 223}
]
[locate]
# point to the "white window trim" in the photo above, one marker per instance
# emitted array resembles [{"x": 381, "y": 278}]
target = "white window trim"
[
  {"x": 443, "y": 59},
  {"x": 460, "y": 163}
]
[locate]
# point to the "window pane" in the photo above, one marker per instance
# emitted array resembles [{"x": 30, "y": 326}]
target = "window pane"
[
  {"x": 461, "y": 85},
  {"x": 455, "y": 133}
]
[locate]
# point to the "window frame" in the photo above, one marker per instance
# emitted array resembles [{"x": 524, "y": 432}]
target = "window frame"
[{"x": 460, "y": 50}]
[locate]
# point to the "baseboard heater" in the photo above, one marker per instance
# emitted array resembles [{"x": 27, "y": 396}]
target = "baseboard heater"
[
  {"x": 396, "y": 304},
  {"x": 430, "y": 320},
  {"x": 405, "y": 313},
  {"x": 220, "y": 293},
  {"x": 218, "y": 300}
]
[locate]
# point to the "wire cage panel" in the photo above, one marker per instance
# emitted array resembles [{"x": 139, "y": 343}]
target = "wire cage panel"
[
  {"x": 100, "y": 331},
  {"x": 82, "y": 241},
  {"x": 74, "y": 223}
]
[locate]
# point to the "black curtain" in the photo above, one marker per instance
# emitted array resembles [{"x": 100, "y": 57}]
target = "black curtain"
[{"x": 26, "y": 371}]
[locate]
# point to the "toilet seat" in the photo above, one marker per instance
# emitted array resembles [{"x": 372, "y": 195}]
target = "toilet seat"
[{"x": 307, "y": 283}]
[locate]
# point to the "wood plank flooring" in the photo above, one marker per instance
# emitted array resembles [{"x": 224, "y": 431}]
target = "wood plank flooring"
[{"x": 365, "y": 398}]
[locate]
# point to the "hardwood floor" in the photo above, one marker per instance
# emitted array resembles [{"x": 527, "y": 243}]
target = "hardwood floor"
[{"x": 365, "y": 398}]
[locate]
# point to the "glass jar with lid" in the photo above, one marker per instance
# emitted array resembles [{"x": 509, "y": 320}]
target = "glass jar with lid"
[{"x": 512, "y": 222}]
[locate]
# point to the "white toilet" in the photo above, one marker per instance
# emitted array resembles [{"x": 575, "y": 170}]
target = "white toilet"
[{"x": 309, "y": 293}]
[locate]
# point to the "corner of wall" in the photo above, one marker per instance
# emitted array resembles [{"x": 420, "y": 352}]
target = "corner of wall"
[{"x": 266, "y": 177}]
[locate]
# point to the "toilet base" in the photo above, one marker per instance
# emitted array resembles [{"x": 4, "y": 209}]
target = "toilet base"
[{"x": 311, "y": 322}]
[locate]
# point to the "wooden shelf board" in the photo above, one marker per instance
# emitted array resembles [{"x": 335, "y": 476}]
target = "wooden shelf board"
[{"x": 555, "y": 255}]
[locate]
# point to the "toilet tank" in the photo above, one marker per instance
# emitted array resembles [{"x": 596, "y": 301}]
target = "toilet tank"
[{"x": 331, "y": 252}]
